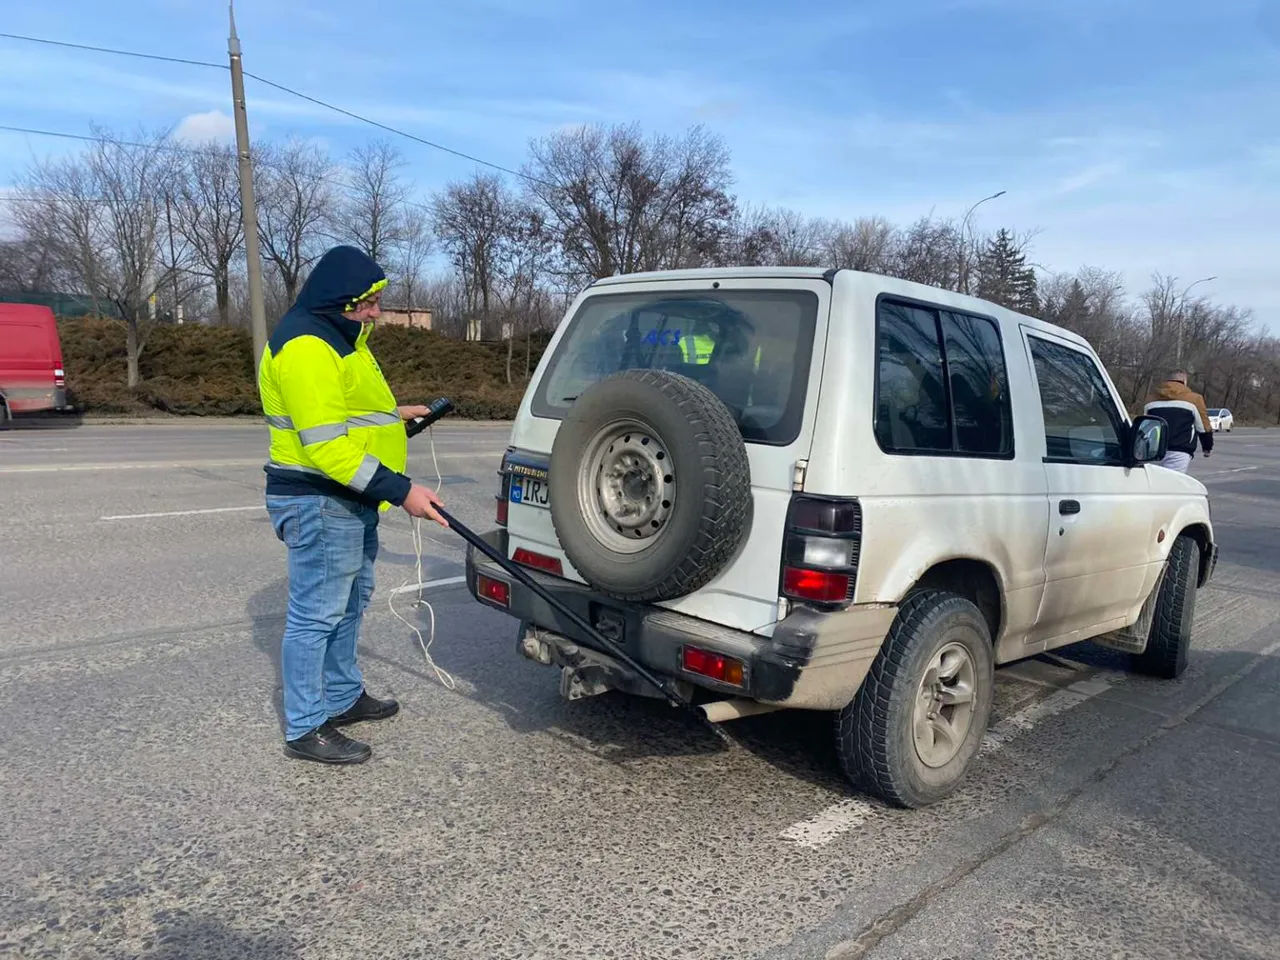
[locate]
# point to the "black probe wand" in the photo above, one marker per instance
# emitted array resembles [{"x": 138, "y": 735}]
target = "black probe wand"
[{"x": 437, "y": 409}]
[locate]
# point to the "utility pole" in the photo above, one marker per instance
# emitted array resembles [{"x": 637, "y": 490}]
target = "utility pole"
[{"x": 248, "y": 207}]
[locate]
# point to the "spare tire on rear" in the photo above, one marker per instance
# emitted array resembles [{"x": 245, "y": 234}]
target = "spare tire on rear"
[{"x": 650, "y": 485}]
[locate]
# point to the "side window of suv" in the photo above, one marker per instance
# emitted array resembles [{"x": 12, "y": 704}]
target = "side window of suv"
[
  {"x": 941, "y": 386},
  {"x": 1081, "y": 421}
]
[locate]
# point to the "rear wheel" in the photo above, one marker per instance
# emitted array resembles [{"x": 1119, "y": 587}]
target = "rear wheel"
[
  {"x": 6, "y": 416},
  {"x": 919, "y": 717},
  {"x": 1170, "y": 637}
]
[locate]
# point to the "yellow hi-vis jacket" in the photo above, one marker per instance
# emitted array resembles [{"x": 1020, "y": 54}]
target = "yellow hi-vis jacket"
[{"x": 332, "y": 416}]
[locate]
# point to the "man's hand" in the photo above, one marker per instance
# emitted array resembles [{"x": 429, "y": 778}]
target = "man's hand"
[
  {"x": 422, "y": 502},
  {"x": 408, "y": 413}
]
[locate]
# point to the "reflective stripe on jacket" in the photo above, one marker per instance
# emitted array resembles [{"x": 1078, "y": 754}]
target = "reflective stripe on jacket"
[{"x": 334, "y": 417}]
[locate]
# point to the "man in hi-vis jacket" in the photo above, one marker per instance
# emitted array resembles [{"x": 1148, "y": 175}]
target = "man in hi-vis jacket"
[{"x": 338, "y": 452}]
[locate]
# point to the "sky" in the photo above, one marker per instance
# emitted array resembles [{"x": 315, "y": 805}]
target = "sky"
[{"x": 1135, "y": 136}]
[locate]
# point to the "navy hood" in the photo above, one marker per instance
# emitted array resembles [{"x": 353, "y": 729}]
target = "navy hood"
[{"x": 339, "y": 278}]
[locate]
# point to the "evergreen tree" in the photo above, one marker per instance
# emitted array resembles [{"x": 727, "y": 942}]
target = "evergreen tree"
[{"x": 1004, "y": 277}]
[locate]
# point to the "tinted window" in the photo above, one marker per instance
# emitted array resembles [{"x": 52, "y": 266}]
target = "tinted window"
[
  {"x": 979, "y": 387},
  {"x": 911, "y": 397},
  {"x": 941, "y": 386},
  {"x": 752, "y": 348},
  {"x": 1215, "y": 412},
  {"x": 1081, "y": 422}
]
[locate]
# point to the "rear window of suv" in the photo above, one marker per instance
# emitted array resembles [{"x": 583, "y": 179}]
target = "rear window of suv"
[{"x": 751, "y": 348}]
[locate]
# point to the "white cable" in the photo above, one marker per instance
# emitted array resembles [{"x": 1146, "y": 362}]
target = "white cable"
[{"x": 443, "y": 675}]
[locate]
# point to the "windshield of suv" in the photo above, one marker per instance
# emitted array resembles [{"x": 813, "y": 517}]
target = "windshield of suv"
[
  {"x": 750, "y": 347},
  {"x": 1215, "y": 411}
]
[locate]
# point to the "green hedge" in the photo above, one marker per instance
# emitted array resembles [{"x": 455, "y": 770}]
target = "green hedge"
[{"x": 208, "y": 371}]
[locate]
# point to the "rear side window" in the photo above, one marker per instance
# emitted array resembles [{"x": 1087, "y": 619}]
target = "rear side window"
[
  {"x": 941, "y": 383},
  {"x": 1081, "y": 421},
  {"x": 752, "y": 348}
]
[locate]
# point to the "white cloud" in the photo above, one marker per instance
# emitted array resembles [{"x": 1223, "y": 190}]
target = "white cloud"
[{"x": 203, "y": 127}]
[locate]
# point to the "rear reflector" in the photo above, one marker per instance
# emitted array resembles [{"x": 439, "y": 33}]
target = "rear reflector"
[
  {"x": 495, "y": 591},
  {"x": 503, "y": 508},
  {"x": 714, "y": 665},
  {"x": 819, "y": 586},
  {"x": 538, "y": 561}
]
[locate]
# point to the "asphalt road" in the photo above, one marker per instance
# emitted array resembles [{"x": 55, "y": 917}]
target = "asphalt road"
[{"x": 149, "y": 811}]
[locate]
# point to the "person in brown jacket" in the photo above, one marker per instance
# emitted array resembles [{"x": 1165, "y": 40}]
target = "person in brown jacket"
[{"x": 1188, "y": 418}]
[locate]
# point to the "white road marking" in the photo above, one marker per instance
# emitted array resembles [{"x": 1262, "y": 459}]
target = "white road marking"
[
  {"x": 1016, "y": 724},
  {"x": 841, "y": 817},
  {"x": 180, "y": 513},
  {"x": 829, "y": 823},
  {"x": 426, "y": 584},
  {"x": 1223, "y": 473}
]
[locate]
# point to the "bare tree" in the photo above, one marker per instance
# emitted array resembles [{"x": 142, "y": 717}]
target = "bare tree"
[
  {"x": 409, "y": 262},
  {"x": 372, "y": 211},
  {"x": 28, "y": 265},
  {"x": 206, "y": 213},
  {"x": 102, "y": 215},
  {"x": 926, "y": 253},
  {"x": 866, "y": 244},
  {"x": 295, "y": 204},
  {"x": 472, "y": 220},
  {"x": 615, "y": 202}
]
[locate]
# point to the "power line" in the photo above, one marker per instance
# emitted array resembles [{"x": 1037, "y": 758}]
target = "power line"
[
  {"x": 289, "y": 90},
  {"x": 396, "y": 130},
  {"x": 111, "y": 50},
  {"x": 170, "y": 148}
]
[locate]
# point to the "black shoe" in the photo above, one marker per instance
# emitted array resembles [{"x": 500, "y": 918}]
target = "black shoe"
[
  {"x": 366, "y": 708},
  {"x": 327, "y": 744}
]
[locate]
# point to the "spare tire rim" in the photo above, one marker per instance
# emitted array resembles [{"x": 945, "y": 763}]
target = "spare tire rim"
[
  {"x": 626, "y": 488},
  {"x": 944, "y": 705}
]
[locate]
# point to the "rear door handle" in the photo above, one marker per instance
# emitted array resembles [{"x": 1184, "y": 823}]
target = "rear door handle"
[{"x": 1068, "y": 507}]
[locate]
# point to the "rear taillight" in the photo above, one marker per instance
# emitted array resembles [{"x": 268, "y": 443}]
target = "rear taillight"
[
  {"x": 538, "y": 561},
  {"x": 815, "y": 586},
  {"x": 717, "y": 666},
  {"x": 820, "y": 550},
  {"x": 59, "y": 377},
  {"x": 495, "y": 591}
]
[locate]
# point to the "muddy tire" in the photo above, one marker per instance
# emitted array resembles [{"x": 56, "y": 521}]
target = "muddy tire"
[
  {"x": 919, "y": 717},
  {"x": 1170, "y": 637},
  {"x": 650, "y": 485}
]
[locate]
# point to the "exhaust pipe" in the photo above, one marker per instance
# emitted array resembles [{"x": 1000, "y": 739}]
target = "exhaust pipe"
[{"x": 721, "y": 710}]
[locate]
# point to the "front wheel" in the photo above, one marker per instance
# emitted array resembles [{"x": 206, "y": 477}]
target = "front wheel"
[
  {"x": 1170, "y": 637},
  {"x": 919, "y": 717}
]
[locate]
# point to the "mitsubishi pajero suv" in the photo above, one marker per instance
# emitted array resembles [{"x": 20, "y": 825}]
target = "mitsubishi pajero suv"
[{"x": 780, "y": 487}]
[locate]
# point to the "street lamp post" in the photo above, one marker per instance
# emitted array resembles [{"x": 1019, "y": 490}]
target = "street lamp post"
[
  {"x": 1182, "y": 312},
  {"x": 964, "y": 240}
]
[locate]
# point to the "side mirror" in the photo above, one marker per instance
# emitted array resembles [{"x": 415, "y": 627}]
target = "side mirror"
[{"x": 1149, "y": 441}]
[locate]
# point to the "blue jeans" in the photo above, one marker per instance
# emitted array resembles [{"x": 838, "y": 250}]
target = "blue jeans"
[{"x": 332, "y": 545}]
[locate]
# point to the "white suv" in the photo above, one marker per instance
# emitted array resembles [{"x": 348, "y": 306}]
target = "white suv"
[{"x": 836, "y": 491}]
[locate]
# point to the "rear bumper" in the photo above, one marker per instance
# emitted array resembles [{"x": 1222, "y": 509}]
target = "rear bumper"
[{"x": 813, "y": 660}]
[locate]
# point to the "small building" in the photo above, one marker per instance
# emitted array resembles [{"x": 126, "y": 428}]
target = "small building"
[{"x": 418, "y": 317}]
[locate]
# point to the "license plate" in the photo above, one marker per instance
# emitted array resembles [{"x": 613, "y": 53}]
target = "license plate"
[{"x": 532, "y": 491}]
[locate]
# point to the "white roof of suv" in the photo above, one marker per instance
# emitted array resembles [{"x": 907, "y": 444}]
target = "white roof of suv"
[{"x": 891, "y": 284}]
